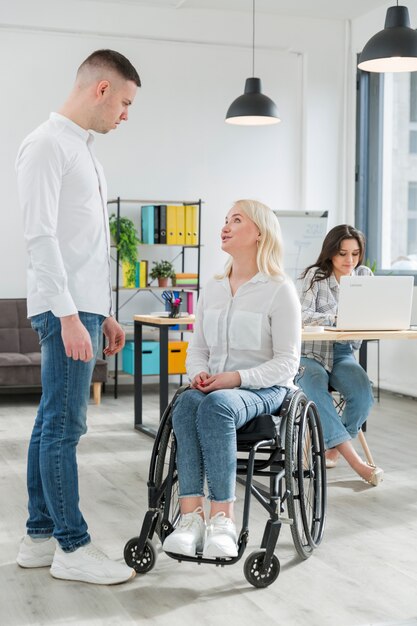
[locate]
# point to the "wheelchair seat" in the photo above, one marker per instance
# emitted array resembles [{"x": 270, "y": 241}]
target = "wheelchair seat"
[{"x": 264, "y": 426}]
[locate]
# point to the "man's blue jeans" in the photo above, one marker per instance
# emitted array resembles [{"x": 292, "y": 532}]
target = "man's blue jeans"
[
  {"x": 351, "y": 380},
  {"x": 52, "y": 475},
  {"x": 205, "y": 428}
]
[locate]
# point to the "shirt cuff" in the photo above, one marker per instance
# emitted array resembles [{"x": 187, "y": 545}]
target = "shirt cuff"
[
  {"x": 244, "y": 378},
  {"x": 63, "y": 305}
]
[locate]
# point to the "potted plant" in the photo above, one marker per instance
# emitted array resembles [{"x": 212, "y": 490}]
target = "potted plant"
[
  {"x": 162, "y": 270},
  {"x": 126, "y": 240}
]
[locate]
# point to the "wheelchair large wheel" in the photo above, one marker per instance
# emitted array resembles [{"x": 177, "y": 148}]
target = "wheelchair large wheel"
[
  {"x": 166, "y": 481},
  {"x": 311, "y": 468},
  {"x": 305, "y": 475}
]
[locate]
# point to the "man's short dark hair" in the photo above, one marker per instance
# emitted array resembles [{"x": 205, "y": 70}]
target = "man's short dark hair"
[{"x": 110, "y": 59}]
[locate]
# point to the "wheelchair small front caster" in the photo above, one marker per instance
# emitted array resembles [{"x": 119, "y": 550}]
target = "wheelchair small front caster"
[
  {"x": 142, "y": 562},
  {"x": 253, "y": 570}
]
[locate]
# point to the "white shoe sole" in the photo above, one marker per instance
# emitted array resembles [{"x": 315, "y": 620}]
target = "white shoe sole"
[
  {"x": 79, "y": 576},
  {"x": 29, "y": 563}
]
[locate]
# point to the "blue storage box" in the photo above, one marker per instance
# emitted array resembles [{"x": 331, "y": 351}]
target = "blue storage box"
[{"x": 150, "y": 357}]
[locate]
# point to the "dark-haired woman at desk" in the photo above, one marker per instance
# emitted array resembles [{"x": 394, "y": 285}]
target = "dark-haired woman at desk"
[{"x": 332, "y": 364}]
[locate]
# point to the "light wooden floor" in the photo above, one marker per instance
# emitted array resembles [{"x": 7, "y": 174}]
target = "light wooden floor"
[{"x": 364, "y": 573}]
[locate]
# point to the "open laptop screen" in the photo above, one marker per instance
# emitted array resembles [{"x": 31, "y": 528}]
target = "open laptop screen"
[{"x": 375, "y": 303}]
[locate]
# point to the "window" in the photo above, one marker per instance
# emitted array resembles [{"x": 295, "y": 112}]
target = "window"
[
  {"x": 386, "y": 168},
  {"x": 413, "y": 141}
]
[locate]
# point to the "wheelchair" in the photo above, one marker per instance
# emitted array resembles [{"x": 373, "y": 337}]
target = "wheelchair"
[{"x": 287, "y": 450}]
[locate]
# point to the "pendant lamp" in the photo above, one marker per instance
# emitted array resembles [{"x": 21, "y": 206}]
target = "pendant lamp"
[
  {"x": 393, "y": 49},
  {"x": 253, "y": 108}
]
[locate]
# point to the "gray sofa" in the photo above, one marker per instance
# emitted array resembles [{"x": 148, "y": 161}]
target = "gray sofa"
[{"x": 20, "y": 357}]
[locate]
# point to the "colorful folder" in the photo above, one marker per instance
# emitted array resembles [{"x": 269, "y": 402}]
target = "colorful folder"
[
  {"x": 162, "y": 223},
  {"x": 156, "y": 227},
  {"x": 180, "y": 225},
  {"x": 171, "y": 224},
  {"x": 147, "y": 222}
]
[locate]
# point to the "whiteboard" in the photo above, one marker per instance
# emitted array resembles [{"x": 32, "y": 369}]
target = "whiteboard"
[{"x": 302, "y": 235}]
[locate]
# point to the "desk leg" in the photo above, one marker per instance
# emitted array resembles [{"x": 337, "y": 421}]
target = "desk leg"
[
  {"x": 138, "y": 375},
  {"x": 363, "y": 354},
  {"x": 363, "y": 361},
  {"x": 163, "y": 369}
]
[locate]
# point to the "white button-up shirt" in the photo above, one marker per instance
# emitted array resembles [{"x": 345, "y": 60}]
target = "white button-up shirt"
[
  {"x": 63, "y": 196},
  {"x": 256, "y": 332}
]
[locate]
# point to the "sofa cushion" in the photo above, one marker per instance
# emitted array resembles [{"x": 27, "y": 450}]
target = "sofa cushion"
[
  {"x": 13, "y": 358},
  {"x": 100, "y": 371},
  {"x": 20, "y": 356}
]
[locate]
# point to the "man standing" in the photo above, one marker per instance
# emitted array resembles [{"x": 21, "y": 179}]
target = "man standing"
[{"x": 62, "y": 192}]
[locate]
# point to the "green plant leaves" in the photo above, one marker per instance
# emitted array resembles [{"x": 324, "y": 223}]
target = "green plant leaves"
[
  {"x": 126, "y": 240},
  {"x": 162, "y": 269}
]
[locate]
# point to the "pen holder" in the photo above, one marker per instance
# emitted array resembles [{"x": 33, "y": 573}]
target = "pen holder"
[{"x": 174, "y": 310}]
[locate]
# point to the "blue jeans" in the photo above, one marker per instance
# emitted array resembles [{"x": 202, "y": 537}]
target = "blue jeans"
[
  {"x": 348, "y": 378},
  {"x": 205, "y": 428},
  {"x": 52, "y": 475}
]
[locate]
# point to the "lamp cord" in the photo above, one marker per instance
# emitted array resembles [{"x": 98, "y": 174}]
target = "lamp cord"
[{"x": 253, "y": 38}]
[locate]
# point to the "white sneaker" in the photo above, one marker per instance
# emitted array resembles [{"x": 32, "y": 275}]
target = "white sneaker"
[
  {"x": 221, "y": 540},
  {"x": 36, "y": 553},
  {"x": 88, "y": 564},
  {"x": 188, "y": 537}
]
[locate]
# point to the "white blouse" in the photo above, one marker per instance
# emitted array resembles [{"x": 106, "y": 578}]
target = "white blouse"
[{"x": 256, "y": 332}]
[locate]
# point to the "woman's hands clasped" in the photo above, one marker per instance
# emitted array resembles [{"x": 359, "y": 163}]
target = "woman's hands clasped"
[{"x": 206, "y": 383}]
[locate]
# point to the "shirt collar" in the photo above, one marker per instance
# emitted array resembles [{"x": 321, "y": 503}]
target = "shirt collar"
[
  {"x": 65, "y": 121},
  {"x": 258, "y": 278}
]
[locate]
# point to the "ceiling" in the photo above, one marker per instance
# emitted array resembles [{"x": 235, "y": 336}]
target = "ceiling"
[{"x": 327, "y": 9}]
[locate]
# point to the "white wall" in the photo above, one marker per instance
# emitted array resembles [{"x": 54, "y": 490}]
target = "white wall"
[
  {"x": 398, "y": 358},
  {"x": 176, "y": 144}
]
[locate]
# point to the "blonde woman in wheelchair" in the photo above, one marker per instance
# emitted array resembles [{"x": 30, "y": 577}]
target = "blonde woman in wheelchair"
[
  {"x": 331, "y": 364},
  {"x": 241, "y": 361}
]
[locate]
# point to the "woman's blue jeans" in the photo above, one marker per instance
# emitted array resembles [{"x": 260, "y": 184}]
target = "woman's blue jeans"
[
  {"x": 205, "y": 428},
  {"x": 52, "y": 475},
  {"x": 349, "y": 379}
]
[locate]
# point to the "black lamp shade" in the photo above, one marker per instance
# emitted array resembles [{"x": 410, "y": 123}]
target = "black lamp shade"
[
  {"x": 393, "y": 49},
  {"x": 252, "y": 108}
]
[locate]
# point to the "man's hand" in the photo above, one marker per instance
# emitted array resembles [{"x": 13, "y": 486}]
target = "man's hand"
[
  {"x": 206, "y": 383},
  {"x": 76, "y": 338},
  {"x": 115, "y": 336}
]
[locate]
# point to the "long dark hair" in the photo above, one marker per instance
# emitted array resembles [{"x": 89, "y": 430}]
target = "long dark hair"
[{"x": 331, "y": 246}]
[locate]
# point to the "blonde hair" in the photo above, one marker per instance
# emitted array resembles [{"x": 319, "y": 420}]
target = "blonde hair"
[{"x": 269, "y": 255}]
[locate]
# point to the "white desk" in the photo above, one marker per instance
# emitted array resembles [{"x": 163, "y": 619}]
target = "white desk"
[
  {"x": 355, "y": 335},
  {"x": 331, "y": 335},
  {"x": 164, "y": 323}
]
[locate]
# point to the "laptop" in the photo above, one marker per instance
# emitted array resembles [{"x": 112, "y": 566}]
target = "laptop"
[{"x": 374, "y": 303}]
